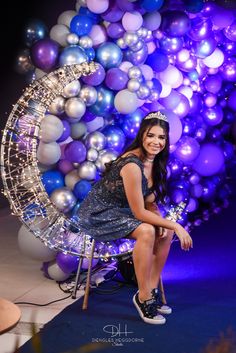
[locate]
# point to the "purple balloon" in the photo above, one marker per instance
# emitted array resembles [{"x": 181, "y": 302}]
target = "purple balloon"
[
  {"x": 201, "y": 28},
  {"x": 171, "y": 45},
  {"x": 228, "y": 69},
  {"x": 88, "y": 116},
  {"x": 95, "y": 78},
  {"x": 75, "y": 152},
  {"x": 205, "y": 47},
  {"x": 138, "y": 57},
  {"x": 115, "y": 30},
  {"x": 213, "y": 83},
  {"x": 116, "y": 79},
  {"x": 66, "y": 131},
  {"x": 230, "y": 32},
  {"x": 113, "y": 13},
  {"x": 67, "y": 262},
  {"x": 44, "y": 54},
  {"x": 213, "y": 116},
  {"x": 210, "y": 160},
  {"x": 175, "y": 23},
  {"x": 176, "y": 167},
  {"x": 187, "y": 149},
  {"x": 65, "y": 166}
]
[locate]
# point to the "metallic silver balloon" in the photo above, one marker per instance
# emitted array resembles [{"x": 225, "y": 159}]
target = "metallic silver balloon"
[
  {"x": 87, "y": 170},
  {"x": 134, "y": 72},
  {"x": 92, "y": 154},
  {"x": 72, "y": 178},
  {"x": 72, "y": 39},
  {"x": 154, "y": 95},
  {"x": 72, "y": 89},
  {"x": 138, "y": 46},
  {"x": 143, "y": 92},
  {"x": 133, "y": 85},
  {"x": 63, "y": 199},
  {"x": 130, "y": 38},
  {"x": 85, "y": 42},
  {"x": 95, "y": 140},
  {"x": 88, "y": 94},
  {"x": 142, "y": 32},
  {"x": 75, "y": 108},
  {"x": 121, "y": 43},
  {"x": 57, "y": 106},
  {"x": 105, "y": 156},
  {"x": 23, "y": 62}
]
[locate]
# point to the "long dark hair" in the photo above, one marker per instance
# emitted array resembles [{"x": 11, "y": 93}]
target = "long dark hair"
[{"x": 159, "y": 171}]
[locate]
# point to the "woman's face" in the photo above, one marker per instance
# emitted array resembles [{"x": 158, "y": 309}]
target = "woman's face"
[{"x": 154, "y": 140}]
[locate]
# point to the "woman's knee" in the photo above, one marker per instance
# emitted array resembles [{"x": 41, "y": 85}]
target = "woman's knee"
[{"x": 146, "y": 233}]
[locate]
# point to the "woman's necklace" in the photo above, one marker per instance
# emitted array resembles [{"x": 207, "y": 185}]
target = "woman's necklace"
[{"x": 149, "y": 160}]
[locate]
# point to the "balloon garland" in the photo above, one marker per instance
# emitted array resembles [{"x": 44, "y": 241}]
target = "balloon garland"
[{"x": 177, "y": 57}]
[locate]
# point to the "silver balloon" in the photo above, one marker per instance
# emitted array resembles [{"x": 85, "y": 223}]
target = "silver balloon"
[
  {"x": 149, "y": 36},
  {"x": 92, "y": 154},
  {"x": 57, "y": 106},
  {"x": 88, "y": 94},
  {"x": 121, "y": 43},
  {"x": 130, "y": 38},
  {"x": 143, "y": 92},
  {"x": 72, "y": 89},
  {"x": 75, "y": 108},
  {"x": 63, "y": 199},
  {"x": 142, "y": 32},
  {"x": 87, "y": 170},
  {"x": 78, "y": 130},
  {"x": 105, "y": 156},
  {"x": 72, "y": 39},
  {"x": 95, "y": 140},
  {"x": 72, "y": 178},
  {"x": 133, "y": 85},
  {"x": 154, "y": 95},
  {"x": 138, "y": 46},
  {"x": 134, "y": 72},
  {"x": 149, "y": 84},
  {"x": 85, "y": 42},
  {"x": 23, "y": 62}
]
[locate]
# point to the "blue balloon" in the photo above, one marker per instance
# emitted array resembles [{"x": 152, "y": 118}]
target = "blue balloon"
[
  {"x": 81, "y": 189},
  {"x": 32, "y": 211},
  {"x": 86, "y": 12},
  {"x": 104, "y": 103},
  {"x": 81, "y": 25},
  {"x": 115, "y": 138},
  {"x": 157, "y": 60},
  {"x": 34, "y": 31},
  {"x": 109, "y": 55},
  {"x": 130, "y": 123},
  {"x": 52, "y": 180},
  {"x": 90, "y": 52},
  {"x": 151, "y": 5}
]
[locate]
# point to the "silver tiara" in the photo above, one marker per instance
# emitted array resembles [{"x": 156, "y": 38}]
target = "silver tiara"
[{"x": 156, "y": 115}]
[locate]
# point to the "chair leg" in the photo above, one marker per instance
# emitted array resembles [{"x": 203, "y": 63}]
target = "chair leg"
[
  {"x": 86, "y": 294},
  {"x": 162, "y": 291}
]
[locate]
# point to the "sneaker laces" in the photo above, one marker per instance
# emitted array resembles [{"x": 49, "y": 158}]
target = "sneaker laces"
[{"x": 157, "y": 297}]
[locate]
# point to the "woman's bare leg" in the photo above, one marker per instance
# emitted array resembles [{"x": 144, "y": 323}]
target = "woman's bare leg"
[
  {"x": 145, "y": 236},
  {"x": 160, "y": 255}
]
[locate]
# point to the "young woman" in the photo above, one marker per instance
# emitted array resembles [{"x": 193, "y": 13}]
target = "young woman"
[{"x": 124, "y": 204}]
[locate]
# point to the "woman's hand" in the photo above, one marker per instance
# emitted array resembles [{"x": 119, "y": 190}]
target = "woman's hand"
[{"x": 185, "y": 239}]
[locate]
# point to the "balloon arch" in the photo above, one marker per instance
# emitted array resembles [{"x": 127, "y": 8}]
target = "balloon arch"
[{"x": 133, "y": 57}]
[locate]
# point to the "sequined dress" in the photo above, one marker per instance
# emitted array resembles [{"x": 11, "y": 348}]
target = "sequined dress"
[{"x": 105, "y": 213}]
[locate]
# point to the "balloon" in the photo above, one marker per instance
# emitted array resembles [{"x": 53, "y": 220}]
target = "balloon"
[
  {"x": 63, "y": 199},
  {"x": 151, "y": 5},
  {"x": 51, "y": 128},
  {"x": 54, "y": 272},
  {"x": 96, "y": 140},
  {"x": 75, "y": 151},
  {"x": 52, "y": 179},
  {"x": 213, "y": 116},
  {"x": 104, "y": 102},
  {"x": 81, "y": 25},
  {"x": 59, "y": 33},
  {"x": 175, "y": 23},
  {"x": 48, "y": 153},
  {"x": 95, "y": 78},
  {"x": 109, "y": 55},
  {"x": 187, "y": 149},
  {"x": 209, "y": 161},
  {"x": 116, "y": 79},
  {"x": 132, "y": 21},
  {"x": 115, "y": 138},
  {"x": 97, "y": 6},
  {"x": 66, "y": 131},
  {"x": 126, "y": 102},
  {"x": 67, "y": 262},
  {"x": 34, "y": 31},
  {"x": 33, "y": 247},
  {"x": 44, "y": 54},
  {"x": 158, "y": 60},
  {"x": 130, "y": 123},
  {"x": 175, "y": 126},
  {"x": 72, "y": 55},
  {"x": 81, "y": 189},
  {"x": 87, "y": 170}
]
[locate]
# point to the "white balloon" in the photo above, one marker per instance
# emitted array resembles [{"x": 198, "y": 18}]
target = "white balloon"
[
  {"x": 172, "y": 76},
  {"x": 98, "y": 6},
  {"x": 66, "y": 17},
  {"x": 98, "y": 35},
  {"x": 56, "y": 273},
  {"x": 75, "y": 108},
  {"x": 214, "y": 60},
  {"x": 126, "y": 102},
  {"x": 33, "y": 247},
  {"x": 95, "y": 124},
  {"x": 59, "y": 33},
  {"x": 166, "y": 89},
  {"x": 51, "y": 128},
  {"x": 48, "y": 153}
]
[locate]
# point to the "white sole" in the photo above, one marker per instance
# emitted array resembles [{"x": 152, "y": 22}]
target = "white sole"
[
  {"x": 159, "y": 321},
  {"x": 165, "y": 311}
]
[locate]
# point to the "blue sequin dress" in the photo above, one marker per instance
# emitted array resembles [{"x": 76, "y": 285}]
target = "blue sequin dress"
[{"x": 105, "y": 213}]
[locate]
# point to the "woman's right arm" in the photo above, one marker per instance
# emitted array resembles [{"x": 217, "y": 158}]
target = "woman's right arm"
[{"x": 132, "y": 180}]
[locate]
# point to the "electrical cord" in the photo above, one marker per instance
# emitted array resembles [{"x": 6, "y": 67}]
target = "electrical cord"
[{"x": 46, "y": 304}]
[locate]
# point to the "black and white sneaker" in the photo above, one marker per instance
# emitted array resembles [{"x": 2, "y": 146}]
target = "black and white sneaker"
[
  {"x": 161, "y": 307},
  {"x": 148, "y": 311}
]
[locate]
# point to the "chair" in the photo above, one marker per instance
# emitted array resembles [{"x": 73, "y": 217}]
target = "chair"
[{"x": 88, "y": 279}]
